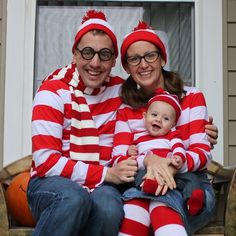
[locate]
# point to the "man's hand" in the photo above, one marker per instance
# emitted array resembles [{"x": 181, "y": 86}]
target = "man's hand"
[{"x": 122, "y": 172}]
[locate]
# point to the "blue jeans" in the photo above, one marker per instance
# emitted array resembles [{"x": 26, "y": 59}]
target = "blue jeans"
[{"x": 63, "y": 208}]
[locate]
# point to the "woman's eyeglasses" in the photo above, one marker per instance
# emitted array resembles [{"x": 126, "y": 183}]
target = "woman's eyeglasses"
[{"x": 149, "y": 57}]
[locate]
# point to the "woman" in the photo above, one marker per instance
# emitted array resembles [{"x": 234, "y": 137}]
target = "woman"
[{"x": 143, "y": 56}]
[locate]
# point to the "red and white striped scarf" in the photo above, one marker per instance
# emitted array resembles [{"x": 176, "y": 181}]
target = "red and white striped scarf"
[{"x": 84, "y": 140}]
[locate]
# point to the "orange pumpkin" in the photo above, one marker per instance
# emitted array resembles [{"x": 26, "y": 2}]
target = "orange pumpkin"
[{"x": 17, "y": 201}]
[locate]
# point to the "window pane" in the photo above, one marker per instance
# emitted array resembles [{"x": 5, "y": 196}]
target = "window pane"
[{"x": 58, "y": 21}]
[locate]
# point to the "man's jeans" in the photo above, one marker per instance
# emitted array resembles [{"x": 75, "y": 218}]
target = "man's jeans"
[{"x": 63, "y": 208}]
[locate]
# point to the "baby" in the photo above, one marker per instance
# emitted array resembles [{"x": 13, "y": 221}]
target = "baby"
[{"x": 162, "y": 139}]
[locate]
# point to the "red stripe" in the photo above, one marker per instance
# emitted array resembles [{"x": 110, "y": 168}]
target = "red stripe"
[
  {"x": 94, "y": 175},
  {"x": 193, "y": 100},
  {"x": 53, "y": 86},
  {"x": 83, "y": 132},
  {"x": 91, "y": 148},
  {"x": 110, "y": 105},
  {"x": 190, "y": 162},
  {"x": 107, "y": 128},
  {"x": 181, "y": 156},
  {"x": 46, "y": 142},
  {"x": 126, "y": 138},
  {"x": 128, "y": 113},
  {"x": 68, "y": 169},
  {"x": 43, "y": 112},
  {"x": 115, "y": 80},
  {"x": 161, "y": 152},
  {"x": 81, "y": 115},
  {"x": 202, "y": 157},
  {"x": 48, "y": 164},
  {"x": 144, "y": 203},
  {"x": 163, "y": 215},
  {"x": 105, "y": 153},
  {"x": 134, "y": 228},
  {"x": 178, "y": 145}
]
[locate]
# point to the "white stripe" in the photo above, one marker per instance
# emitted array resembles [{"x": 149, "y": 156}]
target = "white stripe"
[
  {"x": 178, "y": 230},
  {"x": 65, "y": 95},
  {"x": 199, "y": 138},
  {"x": 141, "y": 215},
  {"x": 104, "y": 118},
  {"x": 79, "y": 124},
  {"x": 65, "y": 145},
  {"x": 104, "y": 162},
  {"x": 58, "y": 167},
  {"x": 123, "y": 234},
  {"x": 79, "y": 172},
  {"x": 120, "y": 150},
  {"x": 155, "y": 204},
  {"x": 50, "y": 99},
  {"x": 84, "y": 156},
  {"x": 111, "y": 93},
  {"x": 106, "y": 140},
  {"x": 62, "y": 72},
  {"x": 78, "y": 93},
  {"x": 96, "y": 21},
  {"x": 197, "y": 113},
  {"x": 42, "y": 127},
  {"x": 84, "y": 140},
  {"x": 42, "y": 155},
  {"x": 80, "y": 107}
]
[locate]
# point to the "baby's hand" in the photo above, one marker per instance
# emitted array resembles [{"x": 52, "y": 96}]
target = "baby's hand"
[
  {"x": 132, "y": 150},
  {"x": 177, "y": 162}
]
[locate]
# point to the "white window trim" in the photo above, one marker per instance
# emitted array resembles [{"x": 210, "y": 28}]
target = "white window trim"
[{"x": 20, "y": 65}]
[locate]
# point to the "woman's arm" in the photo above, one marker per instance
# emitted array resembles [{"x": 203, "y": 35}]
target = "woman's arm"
[{"x": 191, "y": 124}]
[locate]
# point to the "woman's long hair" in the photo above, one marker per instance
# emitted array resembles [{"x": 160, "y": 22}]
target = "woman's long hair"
[{"x": 136, "y": 98}]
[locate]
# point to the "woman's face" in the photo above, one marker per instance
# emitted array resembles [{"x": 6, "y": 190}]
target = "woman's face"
[{"x": 147, "y": 75}]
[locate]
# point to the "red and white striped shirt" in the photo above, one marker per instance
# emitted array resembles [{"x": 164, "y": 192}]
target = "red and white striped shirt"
[
  {"x": 51, "y": 127},
  {"x": 167, "y": 145},
  {"x": 191, "y": 125}
]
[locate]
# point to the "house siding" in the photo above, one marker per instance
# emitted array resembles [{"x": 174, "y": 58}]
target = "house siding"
[
  {"x": 2, "y": 71},
  {"x": 231, "y": 81}
]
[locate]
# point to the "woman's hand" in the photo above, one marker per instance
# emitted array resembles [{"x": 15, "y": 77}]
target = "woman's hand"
[
  {"x": 161, "y": 169},
  {"x": 212, "y": 132}
]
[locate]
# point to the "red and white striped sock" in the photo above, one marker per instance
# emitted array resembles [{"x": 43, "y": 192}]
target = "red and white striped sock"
[
  {"x": 137, "y": 219},
  {"x": 166, "y": 221}
]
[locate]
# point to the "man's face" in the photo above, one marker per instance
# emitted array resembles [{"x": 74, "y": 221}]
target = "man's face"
[{"x": 94, "y": 71}]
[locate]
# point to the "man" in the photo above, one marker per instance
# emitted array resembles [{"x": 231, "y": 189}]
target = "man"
[{"x": 72, "y": 191}]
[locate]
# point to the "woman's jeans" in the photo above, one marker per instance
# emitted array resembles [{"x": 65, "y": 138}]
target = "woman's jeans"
[{"x": 63, "y": 208}]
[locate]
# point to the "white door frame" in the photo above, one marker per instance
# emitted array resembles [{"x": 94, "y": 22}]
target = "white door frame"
[{"x": 20, "y": 66}]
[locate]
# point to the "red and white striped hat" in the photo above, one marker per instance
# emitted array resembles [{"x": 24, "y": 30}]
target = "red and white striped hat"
[
  {"x": 171, "y": 99},
  {"x": 143, "y": 32},
  {"x": 95, "y": 20}
]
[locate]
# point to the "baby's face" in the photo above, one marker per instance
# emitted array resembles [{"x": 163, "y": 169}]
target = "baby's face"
[{"x": 159, "y": 118}]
